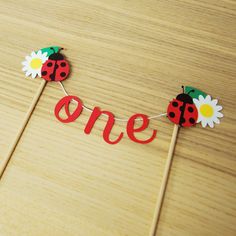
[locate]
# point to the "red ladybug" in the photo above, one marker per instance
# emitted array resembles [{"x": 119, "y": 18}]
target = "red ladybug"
[
  {"x": 56, "y": 68},
  {"x": 182, "y": 110}
]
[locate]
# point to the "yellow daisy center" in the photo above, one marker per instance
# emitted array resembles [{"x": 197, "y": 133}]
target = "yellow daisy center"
[
  {"x": 206, "y": 110},
  {"x": 36, "y": 63}
]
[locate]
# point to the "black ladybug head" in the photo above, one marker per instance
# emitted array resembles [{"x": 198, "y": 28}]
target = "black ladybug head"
[
  {"x": 184, "y": 97},
  {"x": 56, "y": 56}
]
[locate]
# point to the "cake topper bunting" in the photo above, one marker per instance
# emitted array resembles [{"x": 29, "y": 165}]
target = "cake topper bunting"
[{"x": 190, "y": 107}]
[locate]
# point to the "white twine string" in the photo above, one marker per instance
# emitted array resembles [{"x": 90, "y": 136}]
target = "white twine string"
[{"x": 117, "y": 119}]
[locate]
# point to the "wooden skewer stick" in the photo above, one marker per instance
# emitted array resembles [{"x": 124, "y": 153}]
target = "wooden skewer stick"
[
  {"x": 33, "y": 104},
  {"x": 164, "y": 181}
]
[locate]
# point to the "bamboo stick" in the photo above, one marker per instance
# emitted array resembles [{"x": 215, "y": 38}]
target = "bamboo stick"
[
  {"x": 164, "y": 182},
  {"x": 12, "y": 148}
]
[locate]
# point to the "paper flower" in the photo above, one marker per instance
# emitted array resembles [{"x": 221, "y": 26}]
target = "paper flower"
[
  {"x": 208, "y": 111},
  {"x": 33, "y": 63}
]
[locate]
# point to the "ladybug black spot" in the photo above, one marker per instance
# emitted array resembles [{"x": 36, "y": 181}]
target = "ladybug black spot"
[
  {"x": 175, "y": 104},
  {"x": 181, "y": 108},
  {"x": 56, "y": 66},
  {"x": 44, "y": 73},
  {"x": 52, "y": 76},
  {"x": 191, "y": 120},
  {"x": 172, "y": 114},
  {"x": 63, "y": 64},
  {"x": 49, "y": 64},
  {"x": 63, "y": 74},
  {"x": 182, "y": 120},
  {"x": 190, "y": 109}
]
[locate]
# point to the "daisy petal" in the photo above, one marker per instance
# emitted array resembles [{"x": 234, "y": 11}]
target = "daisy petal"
[
  {"x": 28, "y": 73},
  {"x": 34, "y": 75},
  {"x": 214, "y": 102},
  {"x": 33, "y": 54},
  {"x": 208, "y": 98},
  {"x": 204, "y": 123},
  {"x": 24, "y": 68},
  {"x": 211, "y": 123},
  {"x": 217, "y": 121},
  {"x": 219, "y": 114},
  {"x": 219, "y": 108},
  {"x": 39, "y": 53},
  {"x": 24, "y": 63},
  {"x": 28, "y": 58},
  {"x": 201, "y": 98},
  {"x": 44, "y": 60},
  {"x": 199, "y": 119},
  {"x": 45, "y": 54}
]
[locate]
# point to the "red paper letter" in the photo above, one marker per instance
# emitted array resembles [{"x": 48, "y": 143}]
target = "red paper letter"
[
  {"x": 131, "y": 130},
  {"x": 111, "y": 120},
  {"x": 66, "y": 102}
]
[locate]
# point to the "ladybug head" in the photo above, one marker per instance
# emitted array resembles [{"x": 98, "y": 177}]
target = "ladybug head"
[
  {"x": 184, "y": 97},
  {"x": 56, "y": 56}
]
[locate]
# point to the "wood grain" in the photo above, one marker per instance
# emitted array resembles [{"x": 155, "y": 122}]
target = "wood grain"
[{"x": 126, "y": 57}]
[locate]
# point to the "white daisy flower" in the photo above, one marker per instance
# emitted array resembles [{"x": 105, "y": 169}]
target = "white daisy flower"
[
  {"x": 208, "y": 111},
  {"x": 33, "y": 63}
]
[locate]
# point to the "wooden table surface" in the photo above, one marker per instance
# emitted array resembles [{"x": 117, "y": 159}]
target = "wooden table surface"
[{"x": 127, "y": 57}]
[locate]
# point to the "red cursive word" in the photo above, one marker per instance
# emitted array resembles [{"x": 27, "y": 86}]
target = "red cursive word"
[{"x": 96, "y": 113}]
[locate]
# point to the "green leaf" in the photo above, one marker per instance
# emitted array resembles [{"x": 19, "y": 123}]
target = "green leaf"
[
  {"x": 49, "y": 50},
  {"x": 195, "y": 93}
]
